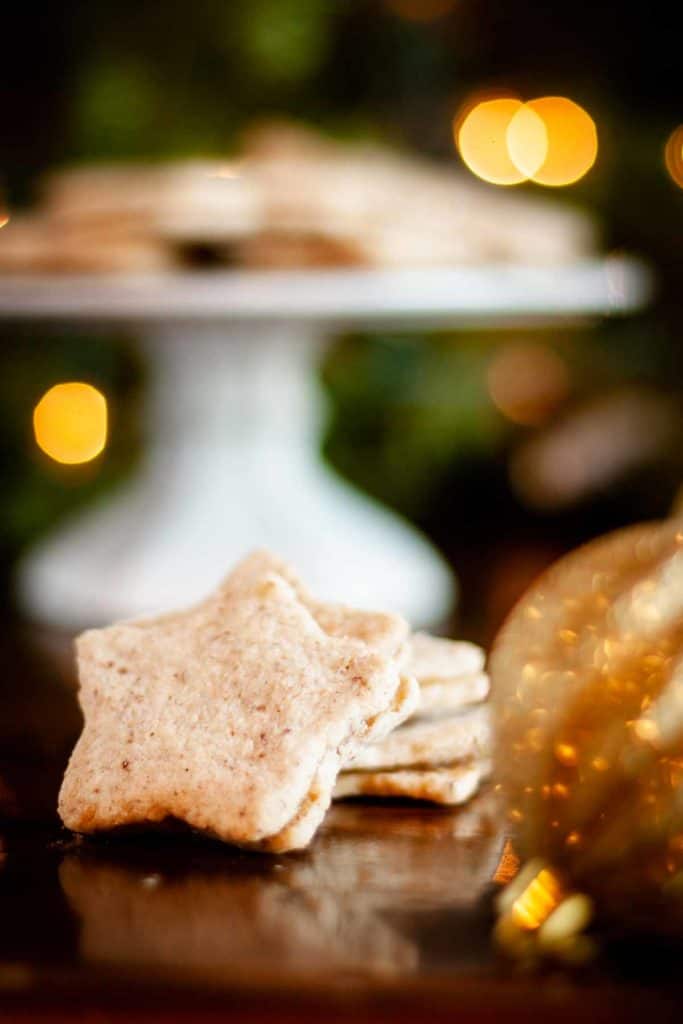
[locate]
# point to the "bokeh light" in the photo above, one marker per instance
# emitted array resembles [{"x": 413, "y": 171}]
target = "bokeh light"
[
  {"x": 527, "y": 140},
  {"x": 4, "y": 218},
  {"x": 70, "y": 422},
  {"x": 537, "y": 902},
  {"x": 673, "y": 156},
  {"x": 421, "y": 10},
  {"x": 572, "y": 140},
  {"x": 528, "y": 382},
  {"x": 481, "y": 138},
  {"x": 550, "y": 141}
]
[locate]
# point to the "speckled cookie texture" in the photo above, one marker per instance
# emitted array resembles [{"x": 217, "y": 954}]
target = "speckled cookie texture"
[
  {"x": 382, "y": 631},
  {"x": 234, "y": 716}
]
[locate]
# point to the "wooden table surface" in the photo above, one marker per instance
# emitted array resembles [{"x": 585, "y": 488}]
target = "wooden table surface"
[{"x": 386, "y": 917}]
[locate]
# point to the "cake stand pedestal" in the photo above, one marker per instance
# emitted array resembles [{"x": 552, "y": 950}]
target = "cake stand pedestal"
[{"x": 234, "y": 419}]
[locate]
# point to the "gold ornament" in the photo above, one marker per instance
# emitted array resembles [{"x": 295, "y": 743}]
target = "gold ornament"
[{"x": 588, "y": 699}]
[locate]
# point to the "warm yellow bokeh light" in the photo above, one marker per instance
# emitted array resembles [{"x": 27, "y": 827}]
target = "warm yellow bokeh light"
[
  {"x": 527, "y": 141},
  {"x": 566, "y": 754},
  {"x": 673, "y": 156},
  {"x": 70, "y": 422},
  {"x": 551, "y": 141},
  {"x": 4, "y": 219},
  {"x": 481, "y": 138},
  {"x": 538, "y": 901},
  {"x": 572, "y": 140}
]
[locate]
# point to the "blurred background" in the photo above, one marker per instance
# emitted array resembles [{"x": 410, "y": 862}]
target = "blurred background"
[{"x": 506, "y": 447}]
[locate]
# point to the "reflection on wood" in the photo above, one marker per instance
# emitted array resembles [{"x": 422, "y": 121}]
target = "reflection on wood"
[{"x": 335, "y": 909}]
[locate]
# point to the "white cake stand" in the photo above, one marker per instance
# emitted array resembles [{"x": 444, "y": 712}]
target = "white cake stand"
[{"x": 233, "y": 424}]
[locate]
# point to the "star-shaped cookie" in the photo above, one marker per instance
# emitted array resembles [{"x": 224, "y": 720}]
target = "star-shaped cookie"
[
  {"x": 234, "y": 717},
  {"x": 385, "y": 632}
]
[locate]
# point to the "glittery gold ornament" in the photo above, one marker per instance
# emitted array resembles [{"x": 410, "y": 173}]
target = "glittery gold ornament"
[{"x": 588, "y": 697}]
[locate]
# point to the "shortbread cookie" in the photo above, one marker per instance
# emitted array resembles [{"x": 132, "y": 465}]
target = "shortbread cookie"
[
  {"x": 446, "y": 698},
  {"x": 299, "y": 831},
  {"x": 23, "y": 245},
  {"x": 234, "y": 717},
  {"x": 282, "y": 250},
  {"x": 186, "y": 201},
  {"x": 35, "y": 245},
  {"x": 435, "y": 659},
  {"x": 449, "y": 785},
  {"x": 293, "y": 198},
  {"x": 382, "y": 631},
  {"x": 461, "y": 737}
]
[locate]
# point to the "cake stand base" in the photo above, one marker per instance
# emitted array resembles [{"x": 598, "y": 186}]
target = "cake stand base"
[{"x": 231, "y": 464}]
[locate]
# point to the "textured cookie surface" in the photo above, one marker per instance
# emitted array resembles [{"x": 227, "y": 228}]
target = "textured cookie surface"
[
  {"x": 444, "y": 741},
  {"x": 445, "y": 698},
  {"x": 449, "y": 785},
  {"x": 433, "y": 658},
  {"x": 233, "y": 716},
  {"x": 382, "y": 631}
]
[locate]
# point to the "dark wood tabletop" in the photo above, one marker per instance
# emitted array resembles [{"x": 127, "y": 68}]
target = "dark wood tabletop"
[{"x": 387, "y": 916}]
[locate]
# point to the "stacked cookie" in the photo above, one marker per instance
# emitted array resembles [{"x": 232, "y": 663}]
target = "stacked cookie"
[
  {"x": 237, "y": 716},
  {"x": 442, "y": 753},
  {"x": 290, "y": 198}
]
